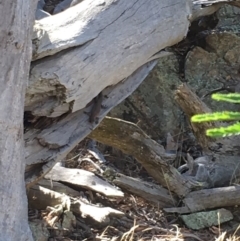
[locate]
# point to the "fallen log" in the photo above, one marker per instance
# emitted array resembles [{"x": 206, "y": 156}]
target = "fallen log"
[
  {"x": 65, "y": 81},
  {"x": 208, "y": 199},
  {"x": 70, "y": 79},
  {"x": 150, "y": 192}
]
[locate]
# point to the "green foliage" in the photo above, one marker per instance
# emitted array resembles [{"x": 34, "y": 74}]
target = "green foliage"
[
  {"x": 217, "y": 116},
  {"x": 233, "y": 98},
  {"x": 224, "y": 131},
  {"x": 222, "y": 116}
]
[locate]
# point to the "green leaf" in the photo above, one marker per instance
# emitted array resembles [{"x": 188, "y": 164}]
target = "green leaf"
[
  {"x": 224, "y": 131},
  {"x": 216, "y": 116},
  {"x": 233, "y": 98}
]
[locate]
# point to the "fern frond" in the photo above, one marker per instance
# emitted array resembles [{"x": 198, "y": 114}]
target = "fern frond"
[
  {"x": 224, "y": 131},
  {"x": 216, "y": 116},
  {"x": 233, "y": 98}
]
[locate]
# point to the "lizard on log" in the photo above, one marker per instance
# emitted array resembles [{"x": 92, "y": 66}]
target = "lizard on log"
[{"x": 97, "y": 105}]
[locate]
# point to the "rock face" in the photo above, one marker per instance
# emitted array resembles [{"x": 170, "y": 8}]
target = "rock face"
[
  {"x": 152, "y": 105},
  {"x": 216, "y": 67}
]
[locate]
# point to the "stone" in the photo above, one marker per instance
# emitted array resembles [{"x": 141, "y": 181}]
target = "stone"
[{"x": 202, "y": 220}]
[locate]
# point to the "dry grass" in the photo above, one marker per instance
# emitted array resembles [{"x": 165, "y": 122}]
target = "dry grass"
[
  {"x": 142, "y": 222},
  {"x": 234, "y": 237}
]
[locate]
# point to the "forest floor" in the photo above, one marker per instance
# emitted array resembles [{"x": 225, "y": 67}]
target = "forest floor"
[{"x": 142, "y": 220}]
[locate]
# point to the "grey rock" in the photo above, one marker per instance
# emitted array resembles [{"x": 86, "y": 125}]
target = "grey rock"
[
  {"x": 39, "y": 232},
  {"x": 69, "y": 221},
  {"x": 201, "y": 220}
]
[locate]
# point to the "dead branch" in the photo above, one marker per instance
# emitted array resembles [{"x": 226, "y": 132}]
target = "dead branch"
[
  {"x": 191, "y": 104},
  {"x": 41, "y": 198},
  {"x": 58, "y": 187},
  {"x": 130, "y": 139},
  {"x": 149, "y": 191},
  {"x": 209, "y": 199},
  {"x": 83, "y": 179},
  {"x": 99, "y": 214}
]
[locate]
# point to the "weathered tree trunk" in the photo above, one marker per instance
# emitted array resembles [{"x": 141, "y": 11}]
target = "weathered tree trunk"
[{"x": 16, "y": 19}]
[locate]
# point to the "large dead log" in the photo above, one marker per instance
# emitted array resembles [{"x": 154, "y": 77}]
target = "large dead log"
[
  {"x": 66, "y": 81},
  {"x": 70, "y": 79},
  {"x": 89, "y": 58}
]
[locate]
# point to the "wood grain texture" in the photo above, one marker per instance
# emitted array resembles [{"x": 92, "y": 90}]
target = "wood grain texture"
[
  {"x": 15, "y": 50},
  {"x": 98, "y": 44}
]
